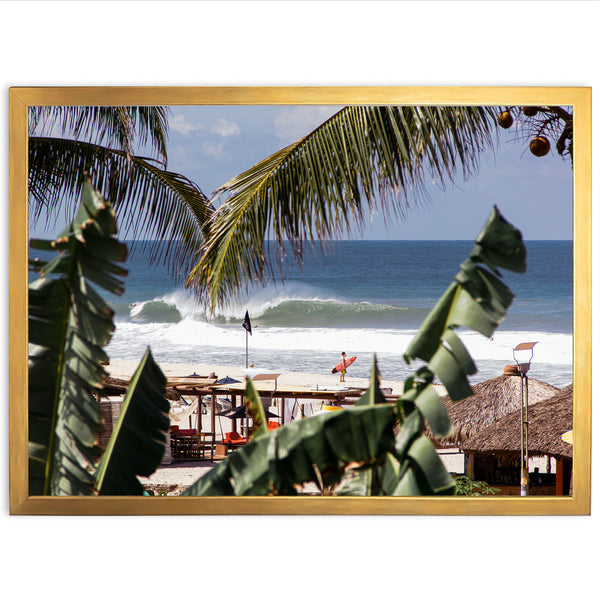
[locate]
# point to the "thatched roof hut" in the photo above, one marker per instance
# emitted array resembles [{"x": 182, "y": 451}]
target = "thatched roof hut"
[
  {"x": 491, "y": 400},
  {"x": 548, "y": 420}
]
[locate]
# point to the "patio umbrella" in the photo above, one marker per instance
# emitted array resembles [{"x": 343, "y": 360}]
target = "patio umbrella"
[
  {"x": 567, "y": 437},
  {"x": 226, "y": 380},
  {"x": 239, "y": 412},
  {"x": 262, "y": 375}
]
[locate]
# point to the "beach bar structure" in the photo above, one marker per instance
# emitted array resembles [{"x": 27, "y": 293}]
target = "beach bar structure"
[
  {"x": 191, "y": 443},
  {"x": 194, "y": 442},
  {"x": 491, "y": 400},
  {"x": 498, "y": 446}
]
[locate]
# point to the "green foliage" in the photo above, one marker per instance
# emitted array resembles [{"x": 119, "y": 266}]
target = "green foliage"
[
  {"x": 477, "y": 299},
  {"x": 138, "y": 442},
  {"x": 467, "y": 487},
  {"x": 314, "y": 449},
  {"x": 323, "y": 184},
  {"x": 375, "y": 447},
  {"x": 255, "y": 410},
  {"x": 69, "y": 323},
  {"x": 152, "y": 202}
]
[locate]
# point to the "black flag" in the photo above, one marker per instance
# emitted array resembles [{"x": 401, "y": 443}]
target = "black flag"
[{"x": 246, "y": 324}]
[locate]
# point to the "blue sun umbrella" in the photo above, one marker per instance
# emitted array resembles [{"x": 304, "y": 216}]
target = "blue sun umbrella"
[{"x": 226, "y": 380}]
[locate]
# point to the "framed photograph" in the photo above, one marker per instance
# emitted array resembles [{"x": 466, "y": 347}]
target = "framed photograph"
[{"x": 343, "y": 300}]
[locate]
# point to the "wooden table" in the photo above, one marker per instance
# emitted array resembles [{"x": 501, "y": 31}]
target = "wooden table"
[{"x": 192, "y": 447}]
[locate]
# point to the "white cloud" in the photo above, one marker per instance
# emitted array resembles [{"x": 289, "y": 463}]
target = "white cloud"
[
  {"x": 212, "y": 149},
  {"x": 225, "y": 128},
  {"x": 179, "y": 123},
  {"x": 291, "y": 123}
]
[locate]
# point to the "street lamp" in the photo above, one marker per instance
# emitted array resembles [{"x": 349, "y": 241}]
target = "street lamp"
[{"x": 523, "y": 366}]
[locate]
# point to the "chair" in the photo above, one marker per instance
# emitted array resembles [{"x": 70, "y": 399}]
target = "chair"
[
  {"x": 184, "y": 443},
  {"x": 233, "y": 438},
  {"x": 174, "y": 431}
]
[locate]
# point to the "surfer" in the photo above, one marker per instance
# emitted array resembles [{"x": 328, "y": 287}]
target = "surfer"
[
  {"x": 343, "y": 371},
  {"x": 342, "y": 366}
]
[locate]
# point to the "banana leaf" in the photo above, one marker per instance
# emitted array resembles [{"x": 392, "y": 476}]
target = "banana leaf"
[
  {"x": 69, "y": 323},
  {"x": 477, "y": 299},
  {"x": 376, "y": 448},
  {"x": 316, "y": 189},
  {"x": 315, "y": 449},
  {"x": 138, "y": 441},
  {"x": 366, "y": 481},
  {"x": 255, "y": 410}
]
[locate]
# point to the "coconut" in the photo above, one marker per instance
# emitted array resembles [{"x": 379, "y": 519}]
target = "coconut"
[
  {"x": 539, "y": 146},
  {"x": 530, "y": 111},
  {"x": 505, "y": 119}
]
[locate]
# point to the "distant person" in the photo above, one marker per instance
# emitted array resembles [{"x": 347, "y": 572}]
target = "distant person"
[{"x": 343, "y": 371}]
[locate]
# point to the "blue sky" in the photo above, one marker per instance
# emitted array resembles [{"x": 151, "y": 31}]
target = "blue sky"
[{"x": 210, "y": 145}]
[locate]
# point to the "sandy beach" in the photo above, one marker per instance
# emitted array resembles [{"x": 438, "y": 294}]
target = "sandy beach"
[
  {"x": 173, "y": 478},
  {"x": 123, "y": 369}
]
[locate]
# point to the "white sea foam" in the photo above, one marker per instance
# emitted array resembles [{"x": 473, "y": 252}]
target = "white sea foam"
[{"x": 552, "y": 348}]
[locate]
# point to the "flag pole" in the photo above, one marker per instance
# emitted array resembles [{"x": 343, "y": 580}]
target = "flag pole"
[{"x": 248, "y": 327}]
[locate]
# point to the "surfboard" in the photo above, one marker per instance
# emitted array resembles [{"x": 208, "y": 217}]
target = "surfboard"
[{"x": 340, "y": 366}]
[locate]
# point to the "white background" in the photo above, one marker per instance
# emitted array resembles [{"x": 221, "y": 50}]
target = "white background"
[{"x": 294, "y": 43}]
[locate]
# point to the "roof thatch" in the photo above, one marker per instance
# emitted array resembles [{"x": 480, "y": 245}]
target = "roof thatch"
[
  {"x": 491, "y": 400},
  {"x": 548, "y": 420},
  {"x": 113, "y": 386}
]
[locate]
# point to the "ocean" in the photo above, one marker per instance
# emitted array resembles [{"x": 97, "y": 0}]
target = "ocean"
[{"x": 363, "y": 297}]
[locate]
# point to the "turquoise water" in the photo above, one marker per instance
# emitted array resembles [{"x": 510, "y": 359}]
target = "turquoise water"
[{"x": 364, "y": 297}]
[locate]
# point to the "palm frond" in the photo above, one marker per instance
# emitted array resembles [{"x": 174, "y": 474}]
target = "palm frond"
[
  {"x": 118, "y": 127},
  {"x": 152, "y": 202},
  {"x": 316, "y": 189},
  {"x": 374, "y": 448}
]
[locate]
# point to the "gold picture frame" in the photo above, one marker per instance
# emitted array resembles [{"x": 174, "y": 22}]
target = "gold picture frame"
[{"x": 20, "y": 99}]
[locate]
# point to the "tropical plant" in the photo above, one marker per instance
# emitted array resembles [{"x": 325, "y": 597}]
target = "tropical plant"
[
  {"x": 377, "y": 447},
  {"x": 66, "y": 142},
  {"x": 467, "y": 487},
  {"x": 535, "y": 124},
  {"x": 69, "y": 323},
  {"x": 362, "y": 160},
  {"x": 318, "y": 187}
]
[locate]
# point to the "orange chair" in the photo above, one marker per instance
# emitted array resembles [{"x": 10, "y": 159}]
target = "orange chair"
[{"x": 233, "y": 438}]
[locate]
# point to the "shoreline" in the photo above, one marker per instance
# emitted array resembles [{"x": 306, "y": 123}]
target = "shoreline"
[{"x": 124, "y": 369}]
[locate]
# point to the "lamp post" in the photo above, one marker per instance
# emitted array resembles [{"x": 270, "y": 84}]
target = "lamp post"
[{"x": 523, "y": 368}]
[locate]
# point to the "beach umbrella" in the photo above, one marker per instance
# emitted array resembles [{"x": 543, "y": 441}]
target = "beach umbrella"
[
  {"x": 567, "y": 437},
  {"x": 226, "y": 380},
  {"x": 239, "y": 412},
  {"x": 256, "y": 374},
  {"x": 492, "y": 400}
]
